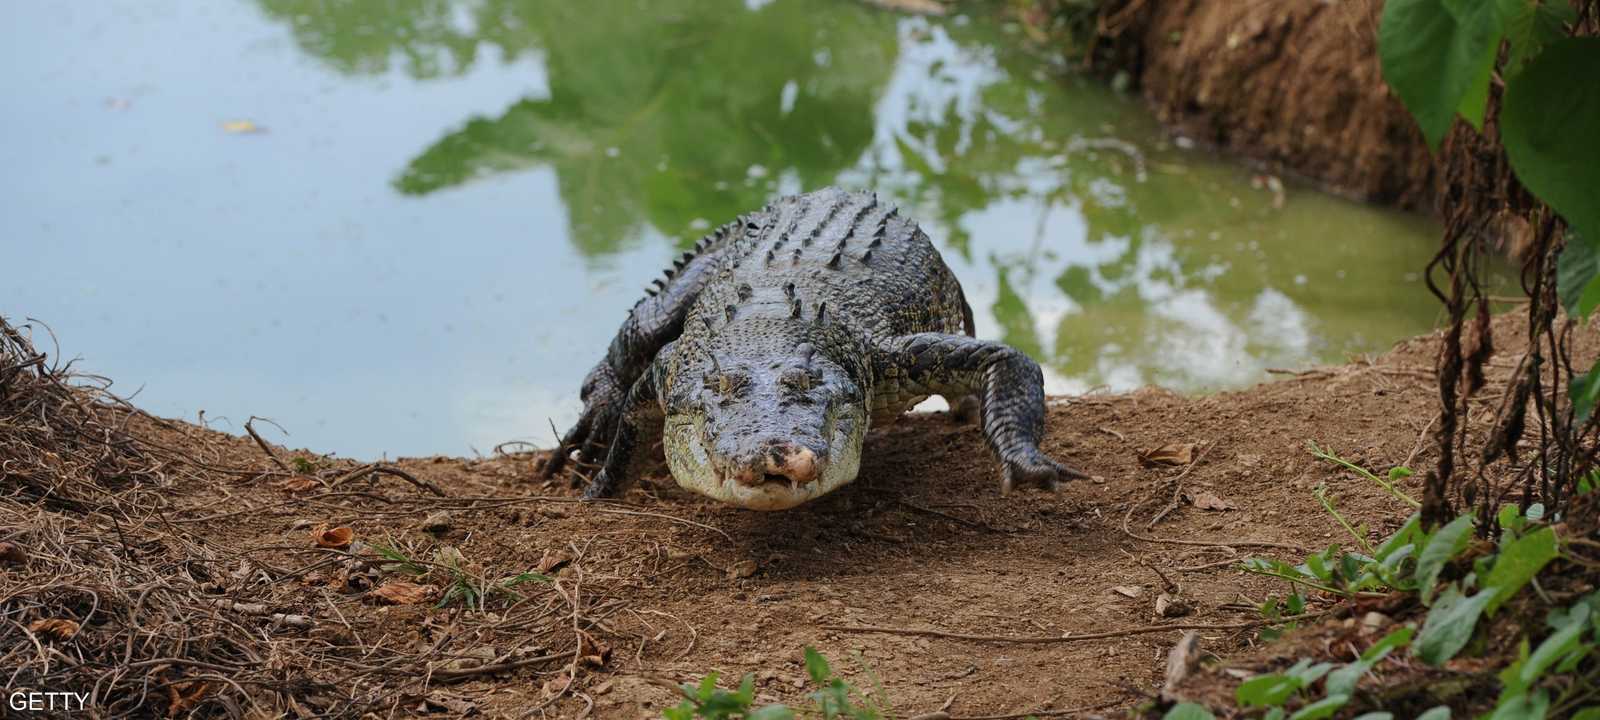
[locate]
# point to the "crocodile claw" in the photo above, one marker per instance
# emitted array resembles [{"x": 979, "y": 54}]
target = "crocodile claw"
[
  {"x": 1041, "y": 470},
  {"x": 590, "y": 436},
  {"x": 602, "y": 486}
]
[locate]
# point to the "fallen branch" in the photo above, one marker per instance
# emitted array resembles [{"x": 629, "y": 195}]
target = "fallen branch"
[
  {"x": 260, "y": 610},
  {"x": 264, "y": 446},
  {"x": 381, "y": 469}
]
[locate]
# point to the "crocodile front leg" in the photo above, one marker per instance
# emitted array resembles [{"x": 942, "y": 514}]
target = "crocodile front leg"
[
  {"x": 652, "y": 323},
  {"x": 641, "y": 406},
  {"x": 1009, "y": 383}
]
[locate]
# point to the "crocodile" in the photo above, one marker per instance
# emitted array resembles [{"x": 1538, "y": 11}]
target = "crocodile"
[{"x": 767, "y": 351}]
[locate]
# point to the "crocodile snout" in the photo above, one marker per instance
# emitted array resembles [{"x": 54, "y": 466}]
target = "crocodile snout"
[{"x": 781, "y": 462}]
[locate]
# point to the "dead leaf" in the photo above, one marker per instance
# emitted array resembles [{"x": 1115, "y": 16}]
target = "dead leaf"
[
  {"x": 592, "y": 652},
  {"x": 1169, "y": 454},
  {"x": 1206, "y": 500},
  {"x": 338, "y": 538},
  {"x": 183, "y": 696},
  {"x": 553, "y": 560},
  {"x": 742, "y": 569},
  {"x": 400, "y": 592},
  {"x": 1171, "y": 606},
  {"x": 242, "y": 127},
  {"x": 1131, "y": 591},
  {"x": 11, "y": 553},
  {"x": 58, "y": 628}
]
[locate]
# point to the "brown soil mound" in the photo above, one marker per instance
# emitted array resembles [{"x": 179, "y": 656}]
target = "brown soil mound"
[
  {"x": 1294, "y": 85},
  {"x": 196, "y": 583}
]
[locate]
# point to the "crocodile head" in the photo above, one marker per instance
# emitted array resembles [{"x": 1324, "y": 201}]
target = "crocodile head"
[{"x": 765, "y": 422}]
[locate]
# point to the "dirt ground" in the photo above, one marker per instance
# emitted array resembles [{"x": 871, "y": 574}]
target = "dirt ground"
[{"x": 667, "y": 585}]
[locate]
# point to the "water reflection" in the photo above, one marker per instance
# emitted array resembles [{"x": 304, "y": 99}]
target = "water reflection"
[
  {"x": 669, "y": 114},
  {"x": 1114, "y": 258},
  {"x": 455, "y": 200}
]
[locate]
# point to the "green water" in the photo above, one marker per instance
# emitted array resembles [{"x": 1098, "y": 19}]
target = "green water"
[{"x": 448, "y": 206}]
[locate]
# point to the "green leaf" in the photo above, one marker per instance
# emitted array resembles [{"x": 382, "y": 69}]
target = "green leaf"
[
  {"x": 708, "y": 687},
  {"x": 1519, "y": 561},
  {"x": 1554, "y": 647},
  {"x": 1323, "y": 708},
  {"x": 1530, "y": 25},
  {"x": 1267, "y": 690},
  {"x": 1510, "y": 518},
  {"x": 1590, "y": 713},
  {"x": 1445, "y": 544},
  {"x": 525, "y": 577},
  {"x": 1188, "y": 711},
  {"x": 1343, "y": 681},
  {"x": 1584, "y": 391},
  {"x": 1382, "y": 648},
  {"x": 1449, "y": 625},
  {"x": 1578, "y": 275},
  {"x": 1396, "y": 474},
  {"x": 1548, "y": 123},
  {"x": 1309, "y": 674},
  {"x": 1437, "y": 56},
  {"x": 1441, "y": 712},
  {"x": 1523, "y": 707},
  {"x": 771, "y": 712},
  {"x": 817, "y": 666},
  {"x": 1400, "y": 538},
  {"x": 1375, "y": 715},
  {"x": 1317, "y": 565}
]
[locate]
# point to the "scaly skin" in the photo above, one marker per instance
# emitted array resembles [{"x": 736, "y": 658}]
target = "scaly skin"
[{"x": 772, "y": 347}]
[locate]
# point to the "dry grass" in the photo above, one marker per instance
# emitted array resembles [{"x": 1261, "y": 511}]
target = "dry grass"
[{"x": 109, "y": 590}]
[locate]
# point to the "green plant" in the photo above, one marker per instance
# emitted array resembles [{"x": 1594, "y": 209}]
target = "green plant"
[
  {"x": 399, "y": 561},
  {"x": 1396, "y": 474},
  {"x": 461, "y": 584},
  {"x": 706, "y": 700},
  {"x": 832, "y": 698},
  {"x": 1348, "y": 574},
  {"x": 1526, "y": 547},
  {"x": 472, "y": 590}
]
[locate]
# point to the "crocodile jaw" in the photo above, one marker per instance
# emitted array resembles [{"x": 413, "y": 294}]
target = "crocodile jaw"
[{"x": 693, "y": 469}]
